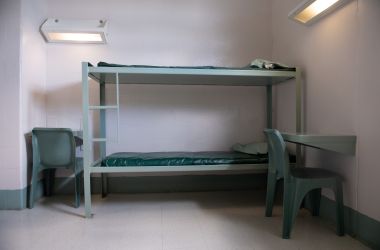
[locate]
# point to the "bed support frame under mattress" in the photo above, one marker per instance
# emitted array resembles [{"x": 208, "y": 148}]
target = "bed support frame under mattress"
[{"x": 170, "y": 76}]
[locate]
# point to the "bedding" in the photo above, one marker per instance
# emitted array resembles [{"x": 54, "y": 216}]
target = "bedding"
[
  {"x": 135, "y": 159},
  {"x": 181, "y": 159},
  {"x": 258, "y": 64},
  {"x": 251, "y": 148},
  {"x": 266, "y": 64}
]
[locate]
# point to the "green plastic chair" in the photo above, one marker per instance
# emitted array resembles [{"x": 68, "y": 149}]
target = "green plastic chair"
[
  {"x": 298, "y": 182},
  {"x": 54, "y": 148}
]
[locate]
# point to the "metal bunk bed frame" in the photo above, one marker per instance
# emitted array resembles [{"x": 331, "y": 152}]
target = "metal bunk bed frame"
[{"x": 170, "y": 76}]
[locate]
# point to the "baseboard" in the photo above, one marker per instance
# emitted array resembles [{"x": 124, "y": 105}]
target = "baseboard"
[
  {"x": 358, "y": 225},
  {"x": 17, "y": 199},
  {"x": 12, "y": 199}
]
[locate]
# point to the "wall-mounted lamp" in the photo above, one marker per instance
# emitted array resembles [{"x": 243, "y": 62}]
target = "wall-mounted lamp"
[
  {"x": 309, "y": 11},
  {"x": 74, "y": 31}
]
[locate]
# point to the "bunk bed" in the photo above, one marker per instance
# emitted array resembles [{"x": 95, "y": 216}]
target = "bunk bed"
[{"x": 173, "y": 162}]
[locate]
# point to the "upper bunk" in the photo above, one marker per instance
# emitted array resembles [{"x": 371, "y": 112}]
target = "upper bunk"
[{"x": 204, "y": 75}]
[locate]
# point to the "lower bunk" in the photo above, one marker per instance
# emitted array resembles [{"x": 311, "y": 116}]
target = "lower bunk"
[
  {"x": 182, "y": 162},
  {"x": 179, "y": 163}
]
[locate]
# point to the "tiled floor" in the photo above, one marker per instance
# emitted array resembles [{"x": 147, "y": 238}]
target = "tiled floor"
[{"x": 178, "y": 221}]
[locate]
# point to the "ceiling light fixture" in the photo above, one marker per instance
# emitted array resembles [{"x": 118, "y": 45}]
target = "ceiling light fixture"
[
  {"x": 309, "y": 11},
  {"x": 74, "y": 31}
]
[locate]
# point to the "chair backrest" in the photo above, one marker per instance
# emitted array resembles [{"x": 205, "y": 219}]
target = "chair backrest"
[
  {"x": 53, "y": 147},
  {"x": 278, "y": 154}
]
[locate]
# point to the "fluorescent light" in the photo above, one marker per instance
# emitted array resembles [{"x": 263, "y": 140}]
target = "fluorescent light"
[
  {"x": 74, "y": 31},
  {"x": 309, "y": 11},
  {"x": 74, "y": 37},
  {"x": 314, "y": 9}
]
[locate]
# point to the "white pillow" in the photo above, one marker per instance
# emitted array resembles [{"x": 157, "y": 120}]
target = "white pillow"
[{"x": 251, "y": 148}]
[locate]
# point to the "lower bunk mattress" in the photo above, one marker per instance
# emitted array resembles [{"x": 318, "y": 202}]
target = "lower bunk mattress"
[{"x": 132, "y": 159}]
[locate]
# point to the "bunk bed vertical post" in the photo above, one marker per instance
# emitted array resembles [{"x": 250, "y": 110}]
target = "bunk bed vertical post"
[
  {"x": 298, "y": 113},
  {"x": 118, "y": 104},
  {"x": 269, "y": 106},
  {"x": 102, "y": 122},
  {"x": 86, "y": 140}
]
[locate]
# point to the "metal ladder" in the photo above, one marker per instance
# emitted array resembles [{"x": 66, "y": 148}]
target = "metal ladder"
[{"x": 88, "y": 140}]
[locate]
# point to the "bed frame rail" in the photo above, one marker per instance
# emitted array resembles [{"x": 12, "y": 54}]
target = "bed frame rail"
[{"x": 103, "y": 74}]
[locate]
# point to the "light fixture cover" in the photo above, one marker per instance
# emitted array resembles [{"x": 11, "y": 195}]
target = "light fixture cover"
[
  {"x": 74, "y": 31},
  {"x": 309, "y": 11}
]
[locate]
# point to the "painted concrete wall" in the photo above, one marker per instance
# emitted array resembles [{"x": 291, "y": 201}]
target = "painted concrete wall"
[
  {"x": 10, "y": 94},
  {"x": 33, "y": 78},
  {"x": 340, "y": 56},
  {"x": 367, "y": 103},
  {"x": 164, "y": 32},
  {"x": 22, "y": 102}
]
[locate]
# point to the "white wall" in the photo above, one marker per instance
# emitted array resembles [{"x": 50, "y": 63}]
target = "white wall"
[
  {"x": 367, "y": 103},
  {"x": 9, "y": 94},
  {"x": 22, "y": 95},
  {"x": 167, "y": 32},
  {"x": 33, "y": 76},
  {"x": 340, "y": 56}
]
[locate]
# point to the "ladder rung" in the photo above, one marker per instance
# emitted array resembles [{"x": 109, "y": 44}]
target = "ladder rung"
[
  {"x": 99, "y": 139},
  {"x": 103, "y": 107}
]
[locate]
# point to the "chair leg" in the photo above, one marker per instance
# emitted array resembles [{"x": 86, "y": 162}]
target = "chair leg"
[
  {"x": 33, "y": 186},
  {"x": 287, "y": 214},
  {"x": 339, "y": 209},
  {"x": 315, "y": 196},
  {"x": 271, "y": 192},
  {"x": 77, "y": 184},
  {"x": 295, "y": 198}
]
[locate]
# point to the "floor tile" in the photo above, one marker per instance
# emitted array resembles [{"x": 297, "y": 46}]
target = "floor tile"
[{"x": 172, "y": 221}]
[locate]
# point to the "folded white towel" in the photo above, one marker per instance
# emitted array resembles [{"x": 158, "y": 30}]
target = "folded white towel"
[
  {"x": 251, "y": 148},
  {"x": 266, "y": 64}
]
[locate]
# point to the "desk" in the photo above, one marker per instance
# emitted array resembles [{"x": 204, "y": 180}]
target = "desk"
[
  {"x": 78, "y": 136},
  {"x": 344, "y": 144}
]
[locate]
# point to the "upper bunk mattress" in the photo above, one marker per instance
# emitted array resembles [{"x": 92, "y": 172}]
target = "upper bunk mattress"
[
  {"x": 131, "y": 159},
  {"x": 249, "y": 75},
  {"x": 277, "y": 67}
]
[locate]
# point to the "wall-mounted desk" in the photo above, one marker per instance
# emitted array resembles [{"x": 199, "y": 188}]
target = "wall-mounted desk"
[
  {"x": 78, "y": 136},
  {"x": 344, "y": 144}
]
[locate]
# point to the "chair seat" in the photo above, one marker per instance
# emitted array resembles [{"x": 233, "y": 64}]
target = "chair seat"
[{"x": 312, "y": 173}]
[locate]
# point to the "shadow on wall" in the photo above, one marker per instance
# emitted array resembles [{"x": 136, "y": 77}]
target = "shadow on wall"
[
  {"x": 230, "y": 114},
  {"x": 64, "y": 105},
  {"x": 68, "y": 98}
]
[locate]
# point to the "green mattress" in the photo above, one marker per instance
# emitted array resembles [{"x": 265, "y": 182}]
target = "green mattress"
[{"x": 131, "y": 159}]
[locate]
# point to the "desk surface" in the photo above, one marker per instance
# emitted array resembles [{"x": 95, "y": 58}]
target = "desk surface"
[{"x": 345, "y": 144}]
